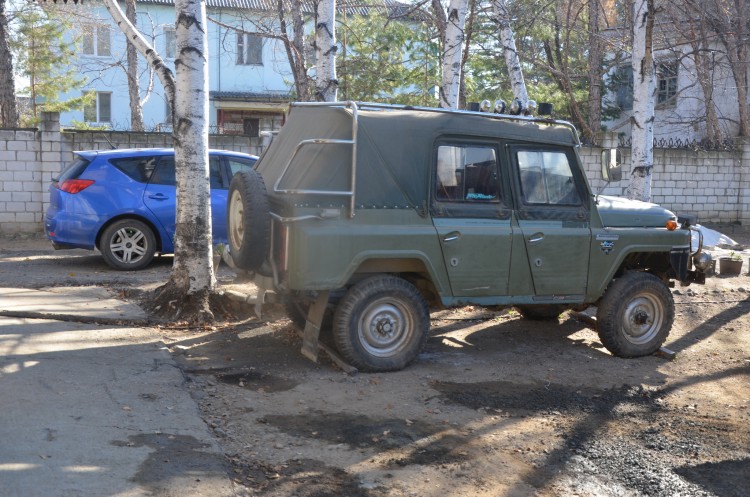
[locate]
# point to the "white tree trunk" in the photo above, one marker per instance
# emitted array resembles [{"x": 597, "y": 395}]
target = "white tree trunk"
[
  {"x": 508, "y": 42},
  {"x": 192, "y": 272},
  {"x": 326, "y": 84},
  {"x": 644, "y": 94},
  {"x": 452, "y": 53},
  {"x": 193, "y": 266}
]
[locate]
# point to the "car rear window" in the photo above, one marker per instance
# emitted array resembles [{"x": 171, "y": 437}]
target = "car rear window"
[
  {"x": 138, "y": 168},
  {"x": 72, "y": 170}
]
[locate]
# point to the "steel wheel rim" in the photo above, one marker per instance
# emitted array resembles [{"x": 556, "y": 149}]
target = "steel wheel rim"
[
  {"x": 236, "y": 219},
  {"x": 129, "y": 245},
  {"x": 642, "y": 319},
  {"x": 385, "y": 328}
]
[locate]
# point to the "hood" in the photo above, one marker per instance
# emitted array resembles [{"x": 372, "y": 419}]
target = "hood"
[{"x": 619, "y": 212}]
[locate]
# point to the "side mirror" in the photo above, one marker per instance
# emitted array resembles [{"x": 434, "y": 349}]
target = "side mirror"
[{"x": 612, "y": 164}]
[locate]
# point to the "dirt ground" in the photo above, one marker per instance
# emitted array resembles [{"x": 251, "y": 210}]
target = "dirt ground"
[{"x": 496, "y": 405}]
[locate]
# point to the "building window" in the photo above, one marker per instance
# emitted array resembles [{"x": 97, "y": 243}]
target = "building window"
[
  {"x": 249, "y": 49},
  {"x": 95, "y": 40},
  {"x": 170, "y": 43},
  {"x": 99, "y": 110},
  {"x": 666, "y": 83},
  {"x": 623, "y": 85}
]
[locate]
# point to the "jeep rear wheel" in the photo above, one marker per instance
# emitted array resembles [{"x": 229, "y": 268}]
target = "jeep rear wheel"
[
  {"x": 381, "y": 324},
  {"x": 635, "y": 315},
  {"x": 248, "y": 220}
]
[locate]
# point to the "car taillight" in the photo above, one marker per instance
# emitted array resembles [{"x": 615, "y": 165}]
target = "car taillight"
[{"x": 75, "y": 185}]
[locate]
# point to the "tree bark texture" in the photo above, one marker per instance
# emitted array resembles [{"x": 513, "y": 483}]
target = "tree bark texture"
[
  {"x": 134, "y": 90},
  {"x": 644, "y": 94},
  {"x": 453, "y": 53},
  {"x": 508, "y": 43},
  {"x": 8, "y": 106},
  {"x": 326, "y": 84}
]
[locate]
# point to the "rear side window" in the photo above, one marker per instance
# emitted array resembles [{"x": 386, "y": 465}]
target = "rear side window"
[
  {"x": 138, "y": 168},
  {"x": 72, "y": 170}
]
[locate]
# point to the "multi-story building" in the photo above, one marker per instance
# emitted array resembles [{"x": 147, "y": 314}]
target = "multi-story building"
[{"x": 250, "y": 82}]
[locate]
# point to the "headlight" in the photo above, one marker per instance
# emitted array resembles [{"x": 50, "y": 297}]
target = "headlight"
[{"x": 701, "y": 261}]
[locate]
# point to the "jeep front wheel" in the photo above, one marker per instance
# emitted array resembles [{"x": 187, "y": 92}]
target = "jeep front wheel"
[
  {"x": 635, "y": 315},
  {"x": 381, "y": 324}
]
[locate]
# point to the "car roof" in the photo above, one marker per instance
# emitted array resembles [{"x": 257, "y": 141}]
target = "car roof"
[{"x": 141, "y": 152}]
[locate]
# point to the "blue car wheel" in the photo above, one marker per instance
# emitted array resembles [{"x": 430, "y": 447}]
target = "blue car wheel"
[{"x": 128, "y": 244}]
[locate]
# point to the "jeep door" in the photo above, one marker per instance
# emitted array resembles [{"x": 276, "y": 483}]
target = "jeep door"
[
  {"x": 472, "y": 218},
  {"x": 552, "y": 210}
]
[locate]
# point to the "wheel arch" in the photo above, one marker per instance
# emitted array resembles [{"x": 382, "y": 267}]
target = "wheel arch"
[
  {"x": 148, "y": 222},
  {"x": 655, "y": 261},
  {"x": 414, "y": 268}
]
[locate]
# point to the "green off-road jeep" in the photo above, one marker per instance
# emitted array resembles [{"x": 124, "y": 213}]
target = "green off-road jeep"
[{"x": 361, "y": 217}]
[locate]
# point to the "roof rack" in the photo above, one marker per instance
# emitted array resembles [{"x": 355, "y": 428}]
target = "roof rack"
[{"x": 501, "y": 117}]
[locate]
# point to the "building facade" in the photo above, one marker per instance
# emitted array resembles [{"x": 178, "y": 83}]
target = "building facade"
[{"x": 250, "y": 83}]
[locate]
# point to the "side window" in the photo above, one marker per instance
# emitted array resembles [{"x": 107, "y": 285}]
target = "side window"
[
  {"x": 237, "y": 165},
  {"x": 164, "y": 173},
  {"x": 138, "y": 168},
  {"x": 214, "y": 172},
  {"x": 546, "y": 178},
  {"x": 466, "y": 173}
]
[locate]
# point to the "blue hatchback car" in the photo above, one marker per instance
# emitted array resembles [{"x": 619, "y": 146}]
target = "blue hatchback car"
[{"x": 123, "y": 202}]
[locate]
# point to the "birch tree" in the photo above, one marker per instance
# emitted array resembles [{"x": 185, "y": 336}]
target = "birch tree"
[
  {"x": 8, "y": 106},
  {"x": 644, "y": 94},
  {"x": 453, "y": 53},
  {"x": 508, "y": 43},
  {"x": 192, "y": 278},
  {"x": 326, "y": 84}
]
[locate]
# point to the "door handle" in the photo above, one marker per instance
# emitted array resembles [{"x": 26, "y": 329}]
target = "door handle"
[
  {"x": 158, "y": 196},
  {"x": 452, "y": 236},
  {"x": 536, "y": 238}
]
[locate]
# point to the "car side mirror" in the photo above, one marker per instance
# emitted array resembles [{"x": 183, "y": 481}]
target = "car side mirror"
[{"x": 612, "y": 164}]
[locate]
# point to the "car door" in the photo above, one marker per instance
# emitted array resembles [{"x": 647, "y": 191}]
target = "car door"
[
  {"x": 553, "y": 213},
  {"x": 472, "y": 218},
  {"x": 223, "y": 168},
  {"x": 161, "y": 196}
]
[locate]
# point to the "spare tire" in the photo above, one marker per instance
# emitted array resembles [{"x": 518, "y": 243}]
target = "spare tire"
[{"x": 248, "y": 220}]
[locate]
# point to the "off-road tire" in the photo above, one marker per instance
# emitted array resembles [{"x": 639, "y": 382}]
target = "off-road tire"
[
  {"x": 635, "y": 315},
  {"x": 544, "y": 312},
  {"x": 248, "y": 220},
  {"x": 381, "y": 324},
  {"x": 128, "y": 245}
]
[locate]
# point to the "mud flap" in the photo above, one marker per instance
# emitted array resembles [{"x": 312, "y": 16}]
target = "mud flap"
[
  {"x": 313, "y": 323},
  {"x": 311, "y": 335}
]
